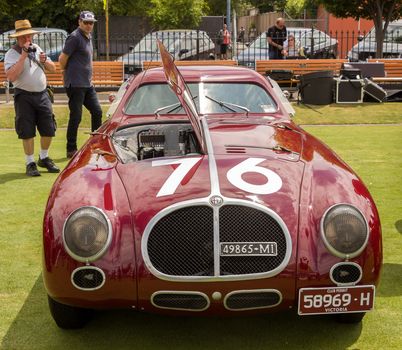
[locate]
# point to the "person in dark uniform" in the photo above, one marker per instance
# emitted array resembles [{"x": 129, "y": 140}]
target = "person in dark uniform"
[
  {"x": 76, "y": 61},
  {"x": 276, "y": 36}
]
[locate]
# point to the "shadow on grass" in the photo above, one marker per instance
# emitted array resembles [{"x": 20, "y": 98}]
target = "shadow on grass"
[
  {"x": 33, "y": 328},
  {"x": 391, "y": 281},
  {"x": 398, "y": 226},
  {"x": 13, "y": 176}
]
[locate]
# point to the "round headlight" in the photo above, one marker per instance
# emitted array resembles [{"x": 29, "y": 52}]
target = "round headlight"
[
  {"x": 87, "y": 234},
  {"x": 344, "y": 231}
]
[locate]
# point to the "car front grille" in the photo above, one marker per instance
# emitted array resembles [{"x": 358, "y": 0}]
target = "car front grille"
[
  {"x": 246, "y": 224},
  {"x": 181, "y": 243}
]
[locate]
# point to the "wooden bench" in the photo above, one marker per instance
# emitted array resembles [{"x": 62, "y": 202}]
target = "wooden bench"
[
  {"x": 393, "y": 72},
  {"x": 154, "y": 64},
  {"x": 298, "y": 67},
  {"x": 105, "y": 73}
]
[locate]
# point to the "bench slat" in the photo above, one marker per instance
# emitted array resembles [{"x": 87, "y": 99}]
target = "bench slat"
[{"x": 155, "y": 64}]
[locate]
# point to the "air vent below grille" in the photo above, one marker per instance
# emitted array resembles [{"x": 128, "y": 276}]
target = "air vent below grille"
[
  {"x": 180, "y": 300},
  {"x": 249, "y": 300}
]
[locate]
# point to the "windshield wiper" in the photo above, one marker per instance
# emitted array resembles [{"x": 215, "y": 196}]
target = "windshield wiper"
[
  {"x": 160, "y": 109},
  {"x": 173, "y": 107},
  {"x": 228, "y": 104}
]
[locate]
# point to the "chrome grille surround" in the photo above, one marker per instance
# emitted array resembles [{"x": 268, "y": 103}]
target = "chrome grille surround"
[
  {"x": 241, "y": 300},
  {"x": 214, "y": 273},
  {"x": 215, "y": 200},
  {"x": 180, "y": 300}
]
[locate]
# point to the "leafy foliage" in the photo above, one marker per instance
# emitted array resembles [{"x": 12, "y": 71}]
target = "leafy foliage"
[
  {"x": 269, "y": 5},
  {"x": 380, "y": 11},
  {"x": 370, "y": 9},
  {"x": 166, "y": 14},
  {"x": 295, "y": 8}
]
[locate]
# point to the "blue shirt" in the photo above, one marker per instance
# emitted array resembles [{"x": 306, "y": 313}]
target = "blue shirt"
[{"x": 78, "y": 71}]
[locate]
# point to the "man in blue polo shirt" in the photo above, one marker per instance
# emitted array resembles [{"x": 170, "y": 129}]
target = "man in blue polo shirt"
[{"x": 76, "y": 61}]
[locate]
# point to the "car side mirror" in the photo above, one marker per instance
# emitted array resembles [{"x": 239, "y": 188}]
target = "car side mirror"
[
  {"x": 130, "y": 49},
  {"x": 182, "y": 52},
  {"x": 360, "y": 38}
]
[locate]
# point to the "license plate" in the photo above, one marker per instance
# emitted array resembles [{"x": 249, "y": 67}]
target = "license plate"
[
  {"x": 334, "y": 300},
  {"x": 248, "y": 249}
]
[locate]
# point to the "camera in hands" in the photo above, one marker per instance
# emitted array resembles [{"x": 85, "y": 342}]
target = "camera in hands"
[{"x": 30, "y": 48}]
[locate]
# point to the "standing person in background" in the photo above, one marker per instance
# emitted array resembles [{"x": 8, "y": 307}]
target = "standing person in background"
[
  {"x": 25, "y": 64},
  {"x": 76, "y": 61},
  {"x": 225, "y": 43},
  {"x": 276, "y": 36},
  {"x": 241, "y": 35}
]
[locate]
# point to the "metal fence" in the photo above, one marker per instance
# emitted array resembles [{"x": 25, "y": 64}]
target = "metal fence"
[
  {"x": 197, "y": 44},
  {"x": 50, "y": 41}
]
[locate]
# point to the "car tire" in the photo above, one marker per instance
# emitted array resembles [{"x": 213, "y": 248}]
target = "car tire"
[
  {"x": 68, "y": 317},
  {"x": 350, "y": 318}
]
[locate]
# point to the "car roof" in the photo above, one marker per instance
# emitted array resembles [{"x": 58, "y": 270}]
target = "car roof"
[{"x": 207, "y": 73}]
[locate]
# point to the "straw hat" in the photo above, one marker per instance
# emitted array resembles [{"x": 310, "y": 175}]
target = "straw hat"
[{"x": 23, "y": 27}]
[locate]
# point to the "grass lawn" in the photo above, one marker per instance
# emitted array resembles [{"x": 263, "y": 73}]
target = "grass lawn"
[{"x": 374, "y": 151}]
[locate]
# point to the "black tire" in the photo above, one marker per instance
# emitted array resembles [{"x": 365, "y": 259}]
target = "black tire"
[
  {"x": 68, "y": 317},
  {"x": 350, "y": 318}
]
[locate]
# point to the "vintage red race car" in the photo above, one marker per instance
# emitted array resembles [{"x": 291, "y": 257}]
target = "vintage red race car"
[{"x": 199, "y": 195}]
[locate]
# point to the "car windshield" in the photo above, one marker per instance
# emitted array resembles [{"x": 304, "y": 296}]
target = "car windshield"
[{"x": 247, "y": 95}]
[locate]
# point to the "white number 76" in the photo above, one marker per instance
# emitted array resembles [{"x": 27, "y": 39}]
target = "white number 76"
[{"x": 234, "y": 175}]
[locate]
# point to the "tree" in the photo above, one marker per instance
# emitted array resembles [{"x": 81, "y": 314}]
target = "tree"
[
  {"x": 269, "y": 5},
  {"x": 166, "y": 14},
  {"x": 380, "y": 11},
  {"x": 296, "y": 8}
]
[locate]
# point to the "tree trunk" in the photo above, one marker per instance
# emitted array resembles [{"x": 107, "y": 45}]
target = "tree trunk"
[{"x": 379, "y": 33}]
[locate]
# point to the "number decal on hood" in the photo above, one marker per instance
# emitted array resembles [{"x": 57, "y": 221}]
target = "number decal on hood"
[
  {"x": 173, "y": 181},
  {"x": 234, "y": 175}
]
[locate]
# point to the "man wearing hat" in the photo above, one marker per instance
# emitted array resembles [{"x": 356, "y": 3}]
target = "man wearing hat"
[
  {"x": 25, "y": 66},
  {"x": 76, "y": 60}
]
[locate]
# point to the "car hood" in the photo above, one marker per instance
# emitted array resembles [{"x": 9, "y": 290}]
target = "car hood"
[{"x": 263, "y": 169}]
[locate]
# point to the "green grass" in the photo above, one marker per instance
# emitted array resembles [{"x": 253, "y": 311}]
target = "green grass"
[
  {"x": 365, "y": 113},
  {"x": 25, "y": 323}
]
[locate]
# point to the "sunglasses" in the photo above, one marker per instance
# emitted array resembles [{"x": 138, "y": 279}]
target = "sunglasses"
[{"x": 88, "y": 23}]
